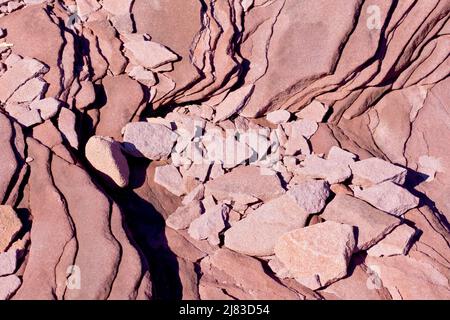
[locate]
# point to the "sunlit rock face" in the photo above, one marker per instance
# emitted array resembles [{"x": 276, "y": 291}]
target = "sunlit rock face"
[{"x": 241, "y": 149}]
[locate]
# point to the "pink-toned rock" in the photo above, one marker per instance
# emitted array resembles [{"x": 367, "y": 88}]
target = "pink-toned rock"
[
  {"x": 86, "y": 7},
  {"x": 32, "y": 89},
  {"x": 117, "y": 7},
  {"x": 278, "y": 117},
  {"x": 409, "y": 279},
  {"x": 341, "y": 189},
  {"x": 245, "y": 184},
  {"x": 233, "y": 103},
  {"x": 302, "y": 127},
  {"x": 372, "y": 224},
  {"x": 149, "y": 54},
  {"x": 196, "y": 194},
  {"x": 374, "y": 171},
  {"x": 310, "y": 195},
  {"x": 19, "y": 73},
  {"x": 52, "y": 227},
  {"x": 153, "y": 141},
  {"x": 23, "y": 114},
  {"x": 355, "y": 287},
  {"x": 388, "y": 197},
  {"x": 110, "y": 46},
  {"x": 197, "y": 171},
  {"x": 120, "y": 108},
  {"x": 10, "y": 226},
  {"x": 259, "y": 231},
  {"x": 67, "y": 125},
  {"x": 47, "y": 107},
  {"x": 85, "y": 96},
  {"x": 184, "y": 246},
  {"x": 209, "y": 224},
  {"x": 143, "y": 75},
  {"x": 297, "y": 145},
  {"x": 8, "y": 286},
  {"x": 8, "y": 262},
  {"x": 330, "y": 170},
  {"x": 341, "y": 156},
  {"x": 170, "y": 178},
  {"x": 106, "y": 156},
  {"x": 183, "y": 216},
  {"x": 189, "y": 279},
  {"x": 397, "y": 242},
  {"x": 242, "y": 277},
  {"x": 315, "y": 111},
  {"x": 321, "y": 252}
]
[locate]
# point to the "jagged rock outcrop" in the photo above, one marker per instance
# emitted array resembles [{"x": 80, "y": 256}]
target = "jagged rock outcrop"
[{"x": 233, "y": 149}]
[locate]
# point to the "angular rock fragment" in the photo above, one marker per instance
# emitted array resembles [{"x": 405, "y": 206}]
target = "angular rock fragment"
[
  {"x": 389, "y": 197},
  {"x": 23, "y": 114},
  {"x": 278, "y": 117},
  {"x": 8, "y": 286},
  {"x": 142, "y": 75},
  {"x": 358, "y": 286},
  {"x": 47, "y": 107},
  {"x": 10, "y": 226},
  {"x": 372, "y": 224},
  {"x": 245, "y": 185},
  {"x": 120, "y": 108},
  {"x": 242, "y": 277},
  {"x": 315, "y": 111},
  {"x": 196, "y": 194},
  {"x": 19, "y": 73},
  {"x": 233, "y": 103},
  {"x": 86, "y": 7},
  {"x": 183, "y": 216},
  {"x": 310, "y": 195},
  {"x": 302, "y": 127},
  {"x": 8, "y": 262},
  {"x": 341, "y": 156},
  {"x": 408, "y": 279},
  {"x": 374, "y": 171},
  {"x": 209, "y": 224},
  {"x": 153, "y": 141},
  {"x": 257, "y": 234},
  {"x": 397, "y": 242},
  {"x": 149, "y": 54},
  {"x": 170, "y": 178},
  {"x": 321, "y": 252},
  {"x": 330, "y": 170},
  {"x": 85, "y": 96},
  {"x": 67, "y": 125},
  {"x": 295, "y": 146},
  {"x": 106, "y": 156},
  {"x": 31, "y": 90}
]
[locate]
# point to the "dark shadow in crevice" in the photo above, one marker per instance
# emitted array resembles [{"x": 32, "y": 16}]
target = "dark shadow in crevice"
[
  {"x": 414, "y": 179},
  {"x": 147, "y": 228}
]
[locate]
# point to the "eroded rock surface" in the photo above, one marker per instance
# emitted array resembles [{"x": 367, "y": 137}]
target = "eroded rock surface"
[{"x": 209, "y": 149}]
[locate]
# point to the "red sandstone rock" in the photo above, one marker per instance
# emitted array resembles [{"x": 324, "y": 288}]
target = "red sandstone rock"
[{"x": 354, "y": 93}]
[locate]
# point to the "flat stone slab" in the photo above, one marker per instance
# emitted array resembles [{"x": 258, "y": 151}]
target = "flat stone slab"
[
  {"x": 374, "y": 171},
  {"x": 257, "y": 234},
  {"x": 397, "y": 242},
  {"x": 170, "y": 178},
  {"x": 310, "y": 195},
  {"x": 10, "y": 226},
  {"x": 317, "y": 255},
  {"x": 372, "y": 224},
  {"x": 149, "y": 140},
  {"x": 245, "y": 185},
  {"x": 389, "y": 197}
]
